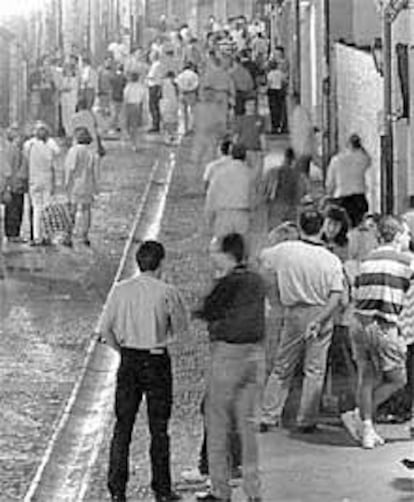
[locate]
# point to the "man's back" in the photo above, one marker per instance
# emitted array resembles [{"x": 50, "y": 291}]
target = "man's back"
[
  {"x": 346, "y": 173},
  {"x": 230, "y": 188},
  {"x": 384, "y": 278},
  {"x": 142, "y": 310},
  {"x": 306, "y": 272}
]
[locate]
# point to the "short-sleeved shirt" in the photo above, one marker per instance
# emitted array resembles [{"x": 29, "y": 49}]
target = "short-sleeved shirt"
[
  {"x": 306, "y": 273},
  {"x": 230, "y": 188},
  {"x": 41, "y": 156},
  {"x": 142, "y": 311},
  {"x": 249, "y": 129},
  {"x": 212, "y": 168},
  {"x": 382, "y": 283}
]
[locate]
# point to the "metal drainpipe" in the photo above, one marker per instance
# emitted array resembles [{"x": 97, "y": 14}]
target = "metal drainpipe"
[
  {"x": 298, "y": 86},
  {"x": 326, "y": 90},
  {"x": 387, "y": 155}
]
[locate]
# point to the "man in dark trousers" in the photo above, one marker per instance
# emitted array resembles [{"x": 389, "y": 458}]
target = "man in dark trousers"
[
  {"x": 138, "y": 319},
  {"x": 235, "y": 313}
]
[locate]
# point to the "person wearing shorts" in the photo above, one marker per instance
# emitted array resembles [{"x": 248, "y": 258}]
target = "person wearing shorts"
[{"x": 378, "y": 347}]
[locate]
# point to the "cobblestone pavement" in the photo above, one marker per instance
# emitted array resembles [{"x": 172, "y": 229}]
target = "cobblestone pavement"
[
  {"x": 186, "y": 266},
  {"x": 49, "y": 303},
  {"x": 326, "y": 467}
]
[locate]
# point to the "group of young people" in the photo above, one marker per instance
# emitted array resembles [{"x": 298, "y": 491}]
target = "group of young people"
[{"x": 30, "y": 165}]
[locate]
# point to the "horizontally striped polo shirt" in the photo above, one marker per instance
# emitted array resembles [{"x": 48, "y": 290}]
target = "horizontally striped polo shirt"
[{"x": 383, "y": 280}]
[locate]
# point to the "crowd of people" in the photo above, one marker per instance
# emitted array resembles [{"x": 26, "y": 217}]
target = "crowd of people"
[{"x": 332, "y": 272}]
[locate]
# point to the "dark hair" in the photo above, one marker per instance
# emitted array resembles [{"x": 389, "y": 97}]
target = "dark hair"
[
  {"x": 339, "y": 214},
  {"x": 225, "y": 146},
  {"x": 134, "y": 76},
  {"x": 289, "y": 154},
  {"x": 233, "y": 244},
  {"x": 150, "y": 255},
  {"x": 296, "y": 97},
  {"x": 86, "y": 61},
  {"x": 239, "y": 151},
  {"x": 388, "y": 227},
  {"x": 82, "y": 104},
  {"x": 280, "y": 48},
  {"x": 355, "y": 141},
  {"x": 83, "y": 136},
  {"x": 310, "y": 221},
  {"x": 170, "y": 74}
]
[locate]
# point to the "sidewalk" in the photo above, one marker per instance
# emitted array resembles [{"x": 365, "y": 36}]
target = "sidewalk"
[{"x": 328, "y": 467}]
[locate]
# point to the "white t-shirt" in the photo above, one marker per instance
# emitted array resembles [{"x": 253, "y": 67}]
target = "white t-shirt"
[
  {"x": 275, "y": 80},
  {"x": 120, "y": 51},
  {"x": 212, "y": 168},
  {"x": 187, "y": 81},
  {"x": 134, "y": 93},
  {"x": 306, "y": 273},
  {"x": 41, "y": 156}
]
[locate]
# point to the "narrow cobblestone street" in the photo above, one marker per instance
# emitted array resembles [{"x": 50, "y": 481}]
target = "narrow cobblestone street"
[{"x": 50, "y": 302}]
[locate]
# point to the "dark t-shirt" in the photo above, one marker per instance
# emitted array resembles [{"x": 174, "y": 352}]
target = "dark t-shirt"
[
  {"x": 249, "y": 128},
  {"x": 235, "y": 309},
  {"x": 118, "y": 83}
]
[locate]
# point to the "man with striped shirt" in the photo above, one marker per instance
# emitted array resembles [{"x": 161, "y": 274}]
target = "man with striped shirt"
[{"x": 379, "y": 349}]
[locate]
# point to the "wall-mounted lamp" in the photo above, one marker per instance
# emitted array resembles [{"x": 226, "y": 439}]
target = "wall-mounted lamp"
[{"x": 378, "y": 55}]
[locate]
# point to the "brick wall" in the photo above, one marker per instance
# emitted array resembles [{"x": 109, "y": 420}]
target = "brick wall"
[{"x": 359, "y": 102}]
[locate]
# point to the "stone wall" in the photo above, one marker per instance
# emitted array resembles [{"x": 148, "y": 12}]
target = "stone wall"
[{"x": 359, "y": 96}]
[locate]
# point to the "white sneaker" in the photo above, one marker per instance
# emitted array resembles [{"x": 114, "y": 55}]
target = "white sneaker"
[
  {"x": 352, "y": 424},
  {"x": 193, "y": 476},
  {"x": 370, "y": 438},
  {"x": 380, "y": 439}
]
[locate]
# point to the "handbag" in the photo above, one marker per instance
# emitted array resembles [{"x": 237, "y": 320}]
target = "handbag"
[{"x": 57, "y": 218}]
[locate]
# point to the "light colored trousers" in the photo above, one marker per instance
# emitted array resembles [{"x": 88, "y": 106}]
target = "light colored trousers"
[
  {"x": 39, "y": 198},
  {"x": 292, "y": 351},
  {"x": 235, "y": 385},
  {"x": 228, "y": 221}
]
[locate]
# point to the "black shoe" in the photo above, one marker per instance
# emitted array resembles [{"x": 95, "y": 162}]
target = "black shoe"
[
  {"x": 209, "y": 497},
  {"x": 153, "y": 130},
  {"x": 118, "y": 497},
  {"x": 408, "y": 463},
  {"x": 87, "y": 242},
  {"x": 307, "y": 429},
  {"x": 169, "y": 497},
  {"x": 236, "y": 473}
]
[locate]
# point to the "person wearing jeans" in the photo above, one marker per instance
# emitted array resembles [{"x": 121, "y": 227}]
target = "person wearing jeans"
[
  {"x": 138, "y": 320},
  {"x": 309, "y": 281},
  {"x": 40, "y": 152},
  {"x": 155, "y": 76},
  {"x": 379, "y": 347},
  {"x": 235, "y": 313}
]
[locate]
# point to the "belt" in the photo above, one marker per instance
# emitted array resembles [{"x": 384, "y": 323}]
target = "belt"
[{"x": 159, "y": 351}]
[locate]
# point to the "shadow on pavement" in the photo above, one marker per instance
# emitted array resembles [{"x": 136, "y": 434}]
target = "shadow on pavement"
[
  {"x": 325, "y": 436},
  {"x": 405, "y": 485}
]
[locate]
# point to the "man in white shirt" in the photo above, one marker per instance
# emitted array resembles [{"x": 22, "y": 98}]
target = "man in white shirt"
[
  {"x": 228, "y": 197},
  {"x": 188, "y": 82},
  {"x": 276, "y": 96},
  {"x": 154, "y": 81},
  {"x": 212, "y": 168},
  {"x": 41, "y": 152},
  {"x": 119, "y": 50},
  {"x": 309, "y": 283}
]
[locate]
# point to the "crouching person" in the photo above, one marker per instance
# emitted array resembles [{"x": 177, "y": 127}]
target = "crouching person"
[
  {"x": 235, "y": 313},
  {"x": 139, "y": 317}
]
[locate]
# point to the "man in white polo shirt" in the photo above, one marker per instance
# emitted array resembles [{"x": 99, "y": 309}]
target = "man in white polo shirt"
[{"x": 309, "y": 281}]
